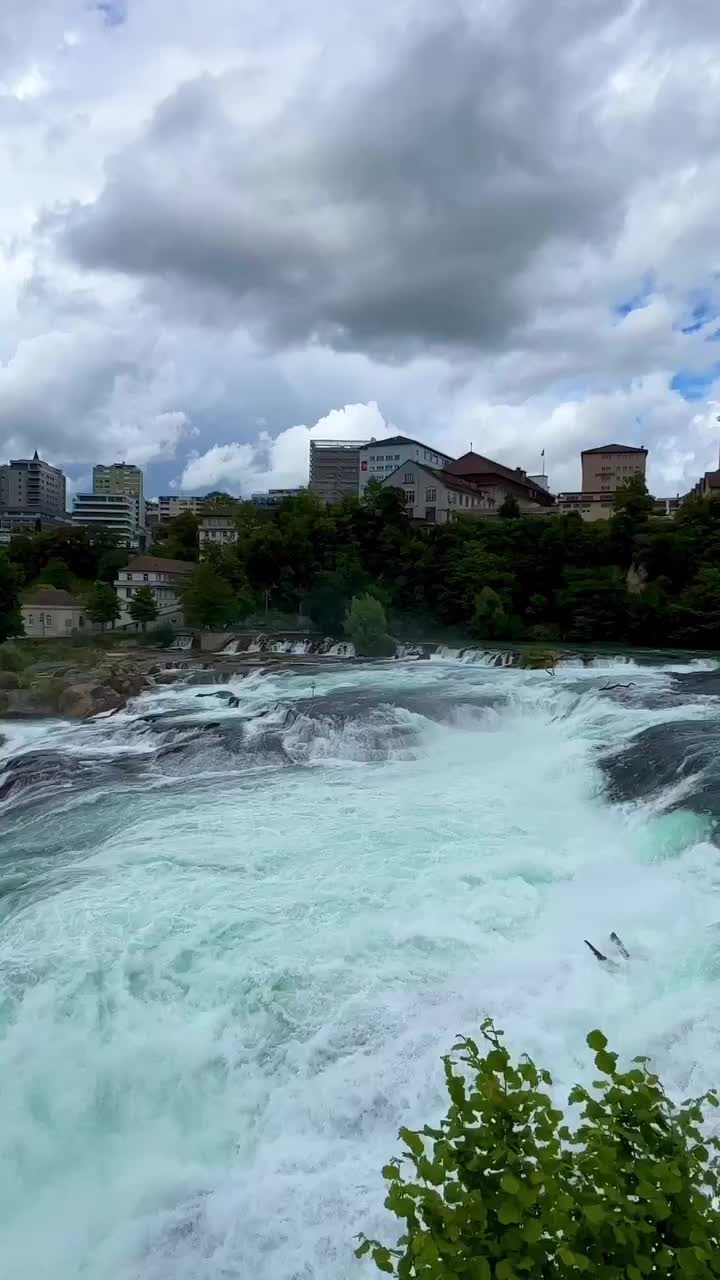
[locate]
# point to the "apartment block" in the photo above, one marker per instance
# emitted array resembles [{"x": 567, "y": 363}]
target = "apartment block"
[
  {"x": 31, "y": 486},
  {"x": 608, "y": 468}
]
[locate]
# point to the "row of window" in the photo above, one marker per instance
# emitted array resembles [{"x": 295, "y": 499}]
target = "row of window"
[
  {"x": 384, "y": 457},
  {"x": 49, "y": 621}
]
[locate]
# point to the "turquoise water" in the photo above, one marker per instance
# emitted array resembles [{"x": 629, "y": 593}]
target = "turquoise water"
[{"x": 232, "y": 957}]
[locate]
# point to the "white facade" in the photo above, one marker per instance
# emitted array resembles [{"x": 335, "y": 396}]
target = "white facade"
[
  {"x": 217, "y": 530},
  {"x": 49, "y": 611},
  {"x": 118, "y": 512},
  {"x": 164, "y": 577},
  {"x": 433, "y": 497},
  {"x": 380, "y": 458}
]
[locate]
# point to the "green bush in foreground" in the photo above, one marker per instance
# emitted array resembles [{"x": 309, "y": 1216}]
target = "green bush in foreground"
[{"x": 506, "y": 1188}]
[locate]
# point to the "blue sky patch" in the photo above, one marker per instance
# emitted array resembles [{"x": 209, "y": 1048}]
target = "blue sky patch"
[
  {"x": 693, "y": 384},
  {"x": 639, "y": 299},
  {"x": 114, "y": 12}
]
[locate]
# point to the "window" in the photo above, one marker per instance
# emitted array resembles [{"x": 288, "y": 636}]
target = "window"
[
  {"x": 129, "y": 578},
  {"x": 430, "y": 514},
  {"x": 48, "y": 620},
  {"x": 410, "y": 497},
  {"x": 145, "y": 577},
  {"x": 430, "y": 495},
  {"x": 68, "y": 624},
  {"x": 31, "y": 619},
  {"x": 408, "y": 478}
]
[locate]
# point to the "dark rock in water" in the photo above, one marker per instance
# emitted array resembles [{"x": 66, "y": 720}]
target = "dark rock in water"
[
  {"x": 702, "y": 683},
  {"x": 667, "y": 754}
]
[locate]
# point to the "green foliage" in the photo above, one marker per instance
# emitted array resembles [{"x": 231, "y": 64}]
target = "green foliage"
[
  {"x": 163, "y": 635},
  {"x": 11, "y": 623},
  {"x": 489, "y": 621},
  {"x": 11, "y": 658},
  {"x": 102, "y": 605},
  {"x": 505, "y": 1188},
  {"x": 143, "y": 606},
  {"x": 366, "y": 625},
  {"x": 177, "y": 539},
  {"x": 208, "y": 599},
  {"x": 57, "y": 574},
  {"x": 509, "y": 508}
]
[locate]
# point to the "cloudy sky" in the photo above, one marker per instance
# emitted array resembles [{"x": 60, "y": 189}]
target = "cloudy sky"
[{"x": 225, "y": 226}]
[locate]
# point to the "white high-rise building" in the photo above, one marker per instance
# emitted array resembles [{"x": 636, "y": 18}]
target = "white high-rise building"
[{"x": 117, "y": 512}]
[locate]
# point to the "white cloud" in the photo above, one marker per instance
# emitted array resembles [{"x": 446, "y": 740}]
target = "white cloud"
[{"x": 280, "y": 462}]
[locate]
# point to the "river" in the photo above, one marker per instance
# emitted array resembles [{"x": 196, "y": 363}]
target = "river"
[{"x": 234, "y": 942}]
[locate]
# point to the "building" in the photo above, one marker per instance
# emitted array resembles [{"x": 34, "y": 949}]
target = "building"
[
  {"x": 29, "y": 486},
  {"x": 274, "y": 497},
  {"x": 152, "y": 517},
  {"x": 335, "y": 468},
  {"x": 121, "y": 478},
  {"x": 47, "y": 611},
  {"x": 12, "y": 523},
  {"x": 437, "y": 496},
  {"x": 590, "y": 506},
  {"x": 498, "y": 482},
  {"x": 708, "y": 486},
  {"x": 608, "y": 468},
  {"x": 217, "y": 530},
  {"x": 380, "y": 458},
  {"x": 171, "y": 505},
  {"x": 117, "y": 512},
  {"x": 164, "y": 577}
]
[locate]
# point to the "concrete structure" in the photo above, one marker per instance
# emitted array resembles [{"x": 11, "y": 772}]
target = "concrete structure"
[
  {"x": 380, "y": 458},
  {"x": 117, "y": 512},
  {"x": 217, "y": 530},
  {"x": 123, "y": 478},
  {"x": 335, "y": 468},
  {"x": 152, "y": 517},
  {"x": 47, "y": 611},
  {"x": 29, "y": 486},
  {"x": 171, "y": 505},
  {"x": 436, "y": 496},
  {"x": 163, "y": 576},
  {"x": 274, "y": 497},
  {"x": 498, "y": 482},
  {"x": 590, "y": 506},
  {"x": 608, "y": 468}
]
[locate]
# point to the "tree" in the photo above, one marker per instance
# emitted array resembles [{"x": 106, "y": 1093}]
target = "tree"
[
  {"x": 366, "y": 624},
  {"x": 178, "y": 539},
  {"x": 102, "y": 605},
  {"x": 503, "y": 1187},
  {"x": 489, "y": 621},
  {"x": 57, "y": 574},
  {"x": 509, "y": 508},
  {"x": 208, "y": 599},
  {"x": 143, "y": 606},
  {"x": 11, "y": 623}
]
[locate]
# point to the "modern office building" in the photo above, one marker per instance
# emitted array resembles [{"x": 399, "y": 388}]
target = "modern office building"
[
  {"x": 117, "y": 512},
  {"x": 121, "y": 478},
  {"x": 273, "y": 497},
  {"x": 171, "y": 505},
  {"x": 335, "y": 468},
  {"x": 29, "y": 486}
]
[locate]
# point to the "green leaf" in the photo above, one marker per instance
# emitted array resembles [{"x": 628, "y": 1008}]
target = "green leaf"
[
  {"x": 413, "y": 1141},
  {"x": 479, "y": 1269},
  {"x": 594, "y": 1213},
  {"x": 390, "y": 1172},
  {"x": 509, "y": 1212},
  {"x": 606, "y": 1062},
  {"x": 510, "y": 1183},
  {"x": 596, "y": 1040}
]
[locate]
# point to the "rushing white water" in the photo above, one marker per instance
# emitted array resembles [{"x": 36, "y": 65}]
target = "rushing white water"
[{"x": 231, "y": 957}]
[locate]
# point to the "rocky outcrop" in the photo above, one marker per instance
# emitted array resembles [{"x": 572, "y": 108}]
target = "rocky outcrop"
[{"x": 76, "y": 693}]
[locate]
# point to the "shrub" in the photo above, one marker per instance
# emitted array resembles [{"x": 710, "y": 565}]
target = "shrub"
[
  {"x": 11, "y": 659},
  {"x": 163, "y": 635},
  {"x": 366, "y": 624},
  {"x": 503, "y": 1188}
]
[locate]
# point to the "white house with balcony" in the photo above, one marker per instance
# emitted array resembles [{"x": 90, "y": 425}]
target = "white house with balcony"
[
  {"x": 164, "y": 577},
  {"x": 380, "y": 458}
]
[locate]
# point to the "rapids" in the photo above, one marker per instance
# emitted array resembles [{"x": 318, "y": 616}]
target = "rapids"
[{"x": 234, "y": 942}]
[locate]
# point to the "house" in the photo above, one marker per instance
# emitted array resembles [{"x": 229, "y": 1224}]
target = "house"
[
  {"x": 163, "y": 576},
  {"x": 437, "y": 496},
  {"x": 589, "y": 506},
  {"x": 499, "y": 482},
  {"x": 48, "y": 611},
  {"x": 380, "y": 458},
  {"x": 217, "y": 529}
]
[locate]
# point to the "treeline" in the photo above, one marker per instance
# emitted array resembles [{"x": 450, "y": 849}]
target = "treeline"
[{"x": 635, "y": 578}]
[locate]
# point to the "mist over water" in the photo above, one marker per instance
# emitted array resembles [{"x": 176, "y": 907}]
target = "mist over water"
[{"x": 234, "y": 942}]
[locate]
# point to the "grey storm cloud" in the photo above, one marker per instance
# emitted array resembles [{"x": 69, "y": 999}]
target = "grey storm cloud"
[{"x": 397, "y": 210}]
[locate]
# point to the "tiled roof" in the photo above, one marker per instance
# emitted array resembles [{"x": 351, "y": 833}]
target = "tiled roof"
[
  {"x": 618, "y": 448},
  {"x": 49, "y": 596},
  {"x": 156, "y": 564}
]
